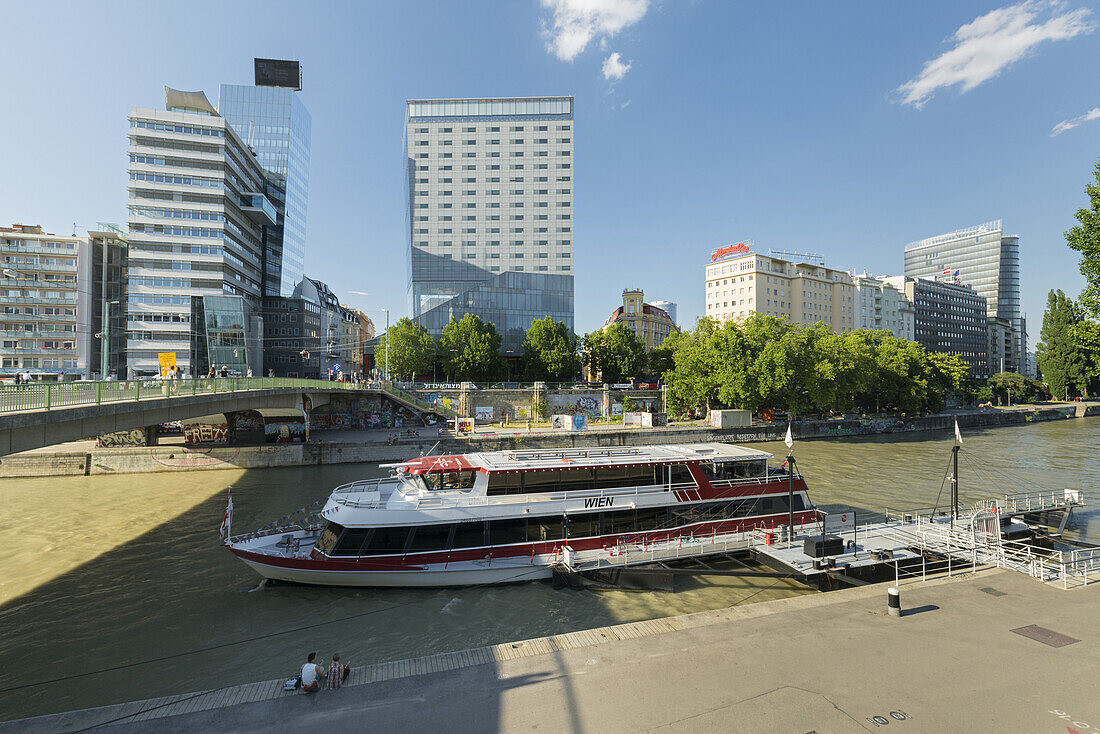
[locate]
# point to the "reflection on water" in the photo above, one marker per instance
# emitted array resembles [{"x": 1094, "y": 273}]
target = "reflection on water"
[{"x": 108, "y": 570}]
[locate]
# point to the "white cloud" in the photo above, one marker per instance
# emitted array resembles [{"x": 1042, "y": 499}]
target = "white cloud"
[
  {"x": 359, "y": 293},
  {"x": 1064, "y": 125},
  {"x": 576, "y": 22},
  {"x": 991, "y": 43},
  {"x": 614, "y": 68}
]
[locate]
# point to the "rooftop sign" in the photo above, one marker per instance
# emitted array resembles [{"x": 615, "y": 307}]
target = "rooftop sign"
[{"x": 739, "y": 249}]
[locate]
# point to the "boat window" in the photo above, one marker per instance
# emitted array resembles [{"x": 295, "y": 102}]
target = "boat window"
[
  {"x": 652, "y": 518},
  {"x": 450, "y": 480},
  {"x": 329, "y": 537},
  {"x": 388, "y": 540},
  {"x": 430, "y": 538},
  {"x": 512, "y": 530},
  {"x": 578, "y": 480},
  {"x": 583, "y": 526},
  {"x": 541, "y": 481},
  {"x": 544, "y": 528},
  {"x": 505, "y": 483},
  {"x": 350, "y": 542},
  {"x": 681, "y": 475},
  {"x": 469, "y": 535},
  {"x": 626, "y": 476},
  {"x": 618, "y": 522}
]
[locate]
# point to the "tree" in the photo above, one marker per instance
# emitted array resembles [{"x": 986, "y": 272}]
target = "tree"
[
  {"x": 1085, "y": 238},
  {"x": 410, "y": 349},
  {"x": 470, "y": 349},
  {"x": 1014, "y": 388},
  {"x": 949, "y": 371},
  {"x": 1086, "y": 334},
  {"x": 1059, "y": 354},
  {"x": 550, "y": 351},
  {"x": 613, "y": 353}
]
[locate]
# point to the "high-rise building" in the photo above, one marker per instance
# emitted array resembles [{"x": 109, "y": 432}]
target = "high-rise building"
[
  {"x": 949, "y": 319},
  {"x": 879, "y": 305},
  {"x": 650, "y": 324},
  {"x": 274, "y": 123},
  {"x": 198, "y": 215},
  {"x": 490, "y": 211},
  {"x": 43, "y": 307},
  {"x": 986, "y": 259},
  {"x": 740, "y": 282}
]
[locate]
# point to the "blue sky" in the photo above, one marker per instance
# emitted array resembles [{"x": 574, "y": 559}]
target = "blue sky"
[{"x": 846, "y": 128}]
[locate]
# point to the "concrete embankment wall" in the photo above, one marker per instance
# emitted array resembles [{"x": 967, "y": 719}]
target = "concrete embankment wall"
[{"x": 135, "y": 460}]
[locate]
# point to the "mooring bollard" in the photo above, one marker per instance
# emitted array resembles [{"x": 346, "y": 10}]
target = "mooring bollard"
[{"x": 893, "y": 601}]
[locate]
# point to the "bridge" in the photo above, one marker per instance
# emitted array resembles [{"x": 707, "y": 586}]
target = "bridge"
[{"x": 44, "y": 414}]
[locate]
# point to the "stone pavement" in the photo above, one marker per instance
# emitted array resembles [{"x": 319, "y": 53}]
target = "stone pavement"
[{"x": 833, "y": 662}]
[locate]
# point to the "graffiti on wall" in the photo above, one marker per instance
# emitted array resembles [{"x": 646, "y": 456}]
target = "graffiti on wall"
[
  {"x": 575, "y": 404},
  {"x": 205, "y": 433},
  {"x": 136, "y": 437},
  {"x": 247, "y": 421},
  {"x": 284, "y": 432},
  {"x": 345, "y": 413},
  {"x": 443, "y": 401}
]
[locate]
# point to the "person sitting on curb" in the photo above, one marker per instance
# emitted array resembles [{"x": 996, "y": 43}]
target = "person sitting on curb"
[{"x": 312, "y": 674}]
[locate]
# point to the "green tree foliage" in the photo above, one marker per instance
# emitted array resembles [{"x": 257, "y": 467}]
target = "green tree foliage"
[
  {"x": 550, "y": 351},
  {"x": 1085, "y": 238},
  {"x": 1086, "y": 335},
  {"x": 469, "y": 349},
  {"x": 411, "y": 350},
  {"x": 1061, "y": 358},
  {"x": 768, "y": 362},
  {"x": 614, "y": 353},
  {"x": 1014, "y": 388}
]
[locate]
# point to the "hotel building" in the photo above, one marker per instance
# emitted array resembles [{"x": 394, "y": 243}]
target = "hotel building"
[
  {"x": 879, "y": 305},
  {"x": 490, "y": 211},
  {"x": 740, "y": 283}
]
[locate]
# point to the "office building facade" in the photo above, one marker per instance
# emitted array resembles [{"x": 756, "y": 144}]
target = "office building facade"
[
  {"x": 43, "y": 307},
  {"x": 668, "y": 307},
  {"x": 879, "y": 305},
  {"x": 986, "y": 259},
  {"x": 107, "y": 291},
  {"x": 949, "y": 319},
  {"x": 650, "y": 324},
  {"x": 277, "y": 126},
  {"x": 740, "y": 283},
  {"x": 490, "y": 212},
  {"x": 197, "y": 215}
]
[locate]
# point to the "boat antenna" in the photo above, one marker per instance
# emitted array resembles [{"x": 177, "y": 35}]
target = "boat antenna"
[
  {"x": 429, "y": 451},
  {"x": 955, "y": 474}
]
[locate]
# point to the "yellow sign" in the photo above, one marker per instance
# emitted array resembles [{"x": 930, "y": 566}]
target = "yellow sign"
[{"x": 167, "y": 361}]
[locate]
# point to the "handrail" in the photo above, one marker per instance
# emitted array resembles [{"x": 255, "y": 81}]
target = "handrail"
[{"x": 49, "y": 395}]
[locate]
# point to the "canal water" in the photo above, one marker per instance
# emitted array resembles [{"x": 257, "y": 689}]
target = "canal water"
[{"x": 102, "y": 574}]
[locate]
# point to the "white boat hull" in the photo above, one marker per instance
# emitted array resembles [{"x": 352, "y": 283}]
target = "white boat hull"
[{"x": 456, "y": 575}]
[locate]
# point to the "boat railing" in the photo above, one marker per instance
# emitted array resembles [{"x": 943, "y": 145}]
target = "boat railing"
[{"x": 345, "y": 493}]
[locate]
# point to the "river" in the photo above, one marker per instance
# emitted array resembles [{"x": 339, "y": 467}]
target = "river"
[{"x": 106, "y": 572}]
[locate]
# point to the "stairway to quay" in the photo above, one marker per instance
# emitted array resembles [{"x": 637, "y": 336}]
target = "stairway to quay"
[{"x": 988, "y": 651}]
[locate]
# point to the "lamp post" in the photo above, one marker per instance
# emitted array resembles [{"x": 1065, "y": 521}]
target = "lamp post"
[{"x": 387, "y": 374}]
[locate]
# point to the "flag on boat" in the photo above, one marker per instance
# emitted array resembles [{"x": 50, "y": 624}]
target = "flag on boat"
[
  {"x": 958, "y": 433},
  {"x": 227, "y": 520},
  {"x": 788, "y": 440}
]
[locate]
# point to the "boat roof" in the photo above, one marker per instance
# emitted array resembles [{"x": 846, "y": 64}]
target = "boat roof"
[{"x": 574, "y": 458}]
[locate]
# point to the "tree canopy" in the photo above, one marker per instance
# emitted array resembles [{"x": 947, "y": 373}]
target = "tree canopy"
[
  {"x": 411, "y": 350},
  {"x": 1059, "y": 356},
  {"x": 614, "y": 353},
  {"x": 469, "y": 349},
  {"x": 550, "y": 351},
  {"x": 1085, "y": 238}
]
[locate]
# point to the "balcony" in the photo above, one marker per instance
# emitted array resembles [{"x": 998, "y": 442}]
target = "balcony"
[{"x": 258, "y": 208}]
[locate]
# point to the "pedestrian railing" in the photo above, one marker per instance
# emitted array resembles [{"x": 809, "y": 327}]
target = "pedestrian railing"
[{"x": 49, "y": 395}]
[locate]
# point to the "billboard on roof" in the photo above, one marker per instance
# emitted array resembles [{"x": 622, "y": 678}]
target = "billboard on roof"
[{"x": 278, "y": 73}]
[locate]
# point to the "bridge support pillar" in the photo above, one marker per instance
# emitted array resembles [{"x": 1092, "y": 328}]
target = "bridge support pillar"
[
  {"x": 537, "y": 396},
  {"x": 152, "y": 434},
  {"x": 605, "y": 404},
  {"x": 464, "y": 399}
]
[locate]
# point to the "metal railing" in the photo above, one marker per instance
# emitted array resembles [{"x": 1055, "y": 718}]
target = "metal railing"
[{"x": 49, "y": 395}]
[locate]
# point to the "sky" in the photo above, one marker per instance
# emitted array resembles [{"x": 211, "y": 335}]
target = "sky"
[{"x": 847, "y": 129}]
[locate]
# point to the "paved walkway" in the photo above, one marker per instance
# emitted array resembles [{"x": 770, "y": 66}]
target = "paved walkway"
[{"x": 822, "y": 663}]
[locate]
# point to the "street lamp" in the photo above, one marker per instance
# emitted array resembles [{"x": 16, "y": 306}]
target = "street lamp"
[{"x": 387, "y": 375}]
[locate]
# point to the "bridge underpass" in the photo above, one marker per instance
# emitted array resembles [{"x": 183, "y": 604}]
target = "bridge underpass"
[{"x": 33, "y": 416}]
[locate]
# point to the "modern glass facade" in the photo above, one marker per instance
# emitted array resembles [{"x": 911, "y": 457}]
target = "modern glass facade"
[
  {"x": 988, "y": 261},
  {"x": 277, "y": 126},
  {"x": 490, "y": 211},
  {"x": 226, "y": 336}
]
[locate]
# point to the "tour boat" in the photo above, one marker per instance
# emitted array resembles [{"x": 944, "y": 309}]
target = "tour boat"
[{"x": 506, "y": 516}]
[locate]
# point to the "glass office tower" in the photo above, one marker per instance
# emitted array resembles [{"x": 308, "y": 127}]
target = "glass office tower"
[
  {"x": 490, "y": 211},
  {"x": 277, "y": 126},
  {"x": 986, "y": 259}
]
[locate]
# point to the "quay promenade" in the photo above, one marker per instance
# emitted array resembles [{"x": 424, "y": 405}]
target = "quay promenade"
[{"x": 958, "y": 660}]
